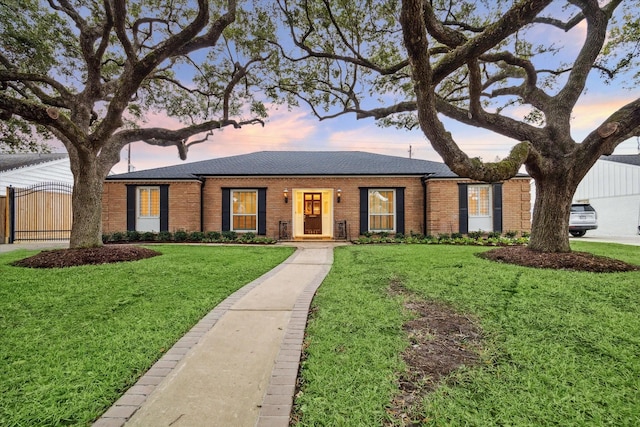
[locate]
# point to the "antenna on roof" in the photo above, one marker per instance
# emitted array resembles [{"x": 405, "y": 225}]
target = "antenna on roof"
[{"x": 410, "y": 151}]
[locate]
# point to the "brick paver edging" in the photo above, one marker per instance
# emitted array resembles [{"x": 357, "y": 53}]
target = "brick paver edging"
[
  {"x": 278, "y": 401},
  {"x": 132, "y": 400}
]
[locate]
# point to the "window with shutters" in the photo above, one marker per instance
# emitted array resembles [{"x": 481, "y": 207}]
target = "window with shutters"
[
  {"x": 382, "y": 213},
  {"x": 244, "y": 210},
  {"x": 149, "y": 202}
]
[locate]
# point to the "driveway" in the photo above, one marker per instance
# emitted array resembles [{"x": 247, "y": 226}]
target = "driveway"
[
  {"x": 33, "y": 246},
  {"x": 624, "y": 240}
]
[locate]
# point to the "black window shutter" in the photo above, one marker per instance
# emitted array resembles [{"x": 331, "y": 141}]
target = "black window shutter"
[
  {"x": 164, "y": 207},
  {"x": 131, "y": 207},
  {"x": 497, "y": 207},
  {"x": 364, "y": 210},
  {"x": 262, "y": 211},
  {"x": 400, "y": 210},
  {"x": 226, "y": 209},
  {"x": 463, "y": 209}
]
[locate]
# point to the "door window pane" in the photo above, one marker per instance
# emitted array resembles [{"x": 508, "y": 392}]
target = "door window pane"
[
  {"x": 479, "y": 200},
  {"x": 149, "y": 202}
]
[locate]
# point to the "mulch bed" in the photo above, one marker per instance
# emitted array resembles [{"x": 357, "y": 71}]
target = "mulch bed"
[
  {"x": 519, "y": 255},
  {"x": 576, "y": 261},
  {"x": 74, "y": 257}
]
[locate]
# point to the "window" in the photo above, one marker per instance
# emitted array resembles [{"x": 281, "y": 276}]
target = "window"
[
  {"x": 244, "y": 210},
  {"x": 149, "y": 202},
  {"x": 479, "y": 200},
  {"x": 382, "y": 210}
]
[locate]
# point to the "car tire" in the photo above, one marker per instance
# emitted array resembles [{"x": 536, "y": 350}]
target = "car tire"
[{"x": 578, "y": 233}]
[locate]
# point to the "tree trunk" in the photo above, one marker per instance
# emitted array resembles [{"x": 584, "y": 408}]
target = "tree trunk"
[
  {"x": 550, "y": 225},
  {"x": 86, "y": 231}
]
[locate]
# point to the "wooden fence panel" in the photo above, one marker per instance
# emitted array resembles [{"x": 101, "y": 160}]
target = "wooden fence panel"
[{"x": 41, "y": 212}]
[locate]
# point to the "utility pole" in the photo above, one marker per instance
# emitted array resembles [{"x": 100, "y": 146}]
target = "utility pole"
[{"x": 129, "y": 167}]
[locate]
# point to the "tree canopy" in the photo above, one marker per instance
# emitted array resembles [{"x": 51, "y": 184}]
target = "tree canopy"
[
  {"x": 89, "y": 72},
  {"x": 516, "y": 69}
]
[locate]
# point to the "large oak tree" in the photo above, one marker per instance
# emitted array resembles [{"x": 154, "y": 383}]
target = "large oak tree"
[
  {"x": 489, "y": 64},
  {"x": 88, "y": 71}
]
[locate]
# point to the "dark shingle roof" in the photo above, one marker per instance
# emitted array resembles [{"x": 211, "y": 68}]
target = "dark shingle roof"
[
  {"x": 265, "y": 163},
  {"x": 15, "y": 161},
  {"x": 629, "y": 159}
]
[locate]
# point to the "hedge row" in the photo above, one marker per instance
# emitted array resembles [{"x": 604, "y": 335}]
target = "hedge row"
[
  {"x": 181, "y": 236},
  {"x": 478, "y": 238}
]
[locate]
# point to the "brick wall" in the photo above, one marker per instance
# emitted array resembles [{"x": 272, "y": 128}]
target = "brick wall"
[
  {"x": 184, "y": 205},
  {"x": 443, "y": 206},
  {"x": 348, "y": 209},
  {"x": 114, "y": 207},
  {"x": 442, "y": 202},
  {"x": 516, "y": 208}
]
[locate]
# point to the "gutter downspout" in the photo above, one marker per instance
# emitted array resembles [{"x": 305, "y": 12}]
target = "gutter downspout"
[
  {"x": 423, "y": 181},
  {"x": 203, "y": 181}
]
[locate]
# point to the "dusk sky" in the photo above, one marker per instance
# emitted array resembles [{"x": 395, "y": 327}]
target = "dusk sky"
[{"x": 299, "y": 130}]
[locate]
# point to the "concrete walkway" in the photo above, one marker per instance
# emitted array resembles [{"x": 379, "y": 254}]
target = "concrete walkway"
[{"x": 238, "y": 366}]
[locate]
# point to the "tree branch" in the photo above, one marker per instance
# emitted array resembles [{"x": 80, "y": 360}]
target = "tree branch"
[{"x": 165, "y": 137}]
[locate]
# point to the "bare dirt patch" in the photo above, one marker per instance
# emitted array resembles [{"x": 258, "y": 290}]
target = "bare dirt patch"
[
  {"x": 59, "y": 258},
  {"x": 576, "y": 261},
  {"x": 442, "y": 341}
]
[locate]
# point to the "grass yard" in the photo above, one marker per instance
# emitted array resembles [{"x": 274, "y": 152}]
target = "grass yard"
[
  {"x": 561, "y": 348},
  {"x": 73, "y": 340}
]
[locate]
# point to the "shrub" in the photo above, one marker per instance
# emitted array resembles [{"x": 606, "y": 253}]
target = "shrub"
[
  {"x": 180, "y": 236},
  {"x": 511, "y": 234},
  {"x": 196, "y": 236},
  {"x": 106, "y": 237},
  {"x": 456, "y": 235},
  {"x": 118, "y": 236},
  {"x": 148, "y": 236},
  {"x": 525, "y": 234},
  {"x": 264, "y": 240},
  {"x": 494, "y": 235},
  {"x": 443, "y": 236},
  {"x": 230, "y": 236},
  {"x": 133, "y": 235},
  {"x": 247, "y": 237},
  {"x": 165, "y": 236},
  {"x": 213, "y": 236},
  {"x": 475, "y": 234},
  {"x": 418, "y": 236}
]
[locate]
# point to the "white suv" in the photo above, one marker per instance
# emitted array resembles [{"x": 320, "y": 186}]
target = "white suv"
[{"x": 583, "y": 217}]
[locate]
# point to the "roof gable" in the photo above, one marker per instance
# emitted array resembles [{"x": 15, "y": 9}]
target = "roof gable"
[{"x": 295, "y": 163}]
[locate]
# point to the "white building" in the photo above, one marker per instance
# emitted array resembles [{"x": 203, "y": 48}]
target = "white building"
[
  {"x": 24, "y": 170},
  {"x": 612, "y": 186}
]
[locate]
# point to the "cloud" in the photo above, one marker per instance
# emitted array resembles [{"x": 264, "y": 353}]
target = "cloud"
[
  {"x": 593, "y": 109},
  {"x": 281, "y": 132}
]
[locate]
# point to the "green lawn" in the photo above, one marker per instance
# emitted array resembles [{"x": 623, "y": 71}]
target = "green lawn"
[
  {"x": 73, "y": 340},
  {"x": 561, "y": 348}
]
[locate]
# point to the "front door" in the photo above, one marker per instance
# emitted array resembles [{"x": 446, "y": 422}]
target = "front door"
[{"x": 312, "y": 213}]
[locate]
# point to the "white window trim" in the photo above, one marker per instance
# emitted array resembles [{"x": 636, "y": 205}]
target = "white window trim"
[
  {"x": 393, "y": 212},
  {"x": 139, "y": 200},
  {"x": 231, "y": 195}
]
